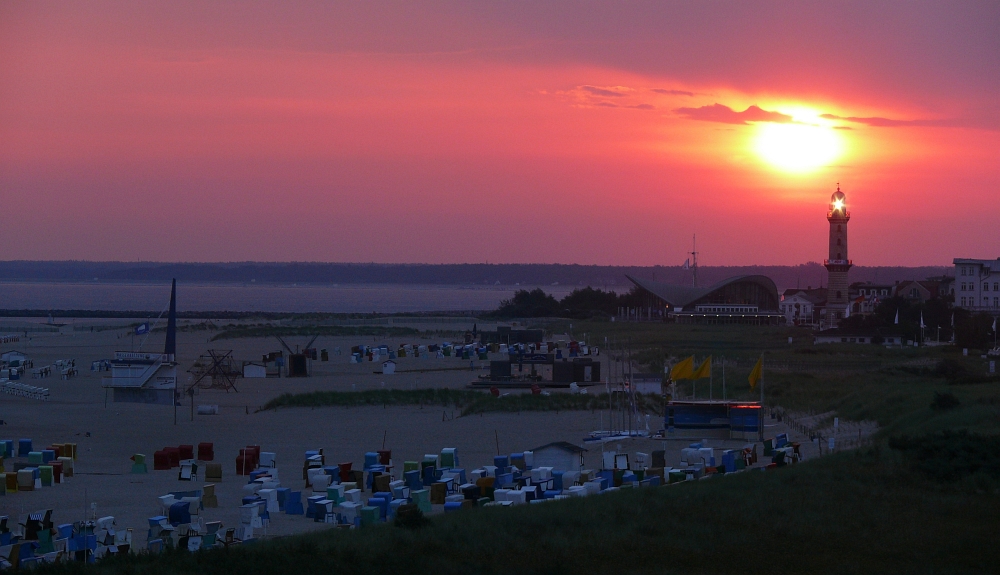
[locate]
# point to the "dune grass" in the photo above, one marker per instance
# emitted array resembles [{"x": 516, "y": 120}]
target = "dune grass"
[
  {"x": 471, "y": 402},
  {"x": 863, "y": 512}
]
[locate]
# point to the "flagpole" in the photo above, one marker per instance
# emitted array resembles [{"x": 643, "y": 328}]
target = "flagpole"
[
  {"x": 761, "y": 382},
  {"x": 724, "y": 378}
]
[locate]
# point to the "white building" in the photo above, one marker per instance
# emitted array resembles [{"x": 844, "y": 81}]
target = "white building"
[
  {"x": 12, "y": 356},
  {"x": 560, "y": 455},
  {"x": 251, "y": 370},
  {"x": 977, "y": 285},
  {"x": 803, "y": 307}
]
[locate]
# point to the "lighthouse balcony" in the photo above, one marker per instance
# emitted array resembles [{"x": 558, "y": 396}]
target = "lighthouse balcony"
[{"x": 837, "y": 262}]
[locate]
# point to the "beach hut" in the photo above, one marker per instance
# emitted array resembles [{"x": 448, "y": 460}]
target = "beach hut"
[
  {"x": 254, "y": 370},
  {"x": 388, "y": 367},
  {"x": 13, "y": 357},
  {"x": 560, "y": 455}
]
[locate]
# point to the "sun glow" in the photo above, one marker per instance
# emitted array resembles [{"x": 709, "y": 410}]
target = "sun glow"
[{"x": 801, "y": 146}]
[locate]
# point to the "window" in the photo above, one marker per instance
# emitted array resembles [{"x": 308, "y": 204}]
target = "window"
[
  {"x": 839, "y": 257},
  {"x": 963, "y": 271},
  {"x": 996, "y": 286},
  {"x": 838, "y": 294},
  {"x": 996, "y": 301},
  {"x": 861, "y": 340},
  {"x": 838, "y": 227},
  {"x": 963, "y": 299},
  {"x": 986, "y": 286},
  {"x": 838, "y": 241},
  {"x": 843, "y": 340}
]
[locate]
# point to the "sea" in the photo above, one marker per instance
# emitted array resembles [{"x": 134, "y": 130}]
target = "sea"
[{"x": 293, "y": 298}]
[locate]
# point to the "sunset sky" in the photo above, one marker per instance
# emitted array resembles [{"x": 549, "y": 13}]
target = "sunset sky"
[{"x": 446, "y": 132}]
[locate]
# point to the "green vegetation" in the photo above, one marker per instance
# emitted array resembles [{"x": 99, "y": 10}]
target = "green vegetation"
[
  {"x": 894, "y": 387},
  {"x": 864, "y": 512},
  {"x": 971, "y": 330},
  {"x": 471, "y": 402},
  {"x": 969, "y": 460},
  {"x": 581, "y": 303}
]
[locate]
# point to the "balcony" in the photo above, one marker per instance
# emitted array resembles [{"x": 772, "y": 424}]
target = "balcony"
[{"x": 838, "y": 262}]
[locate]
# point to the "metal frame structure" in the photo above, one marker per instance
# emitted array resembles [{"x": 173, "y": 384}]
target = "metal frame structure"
[{"x": 219, "y": 366}]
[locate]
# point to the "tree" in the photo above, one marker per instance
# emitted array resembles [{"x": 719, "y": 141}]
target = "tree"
[
  {"x": 935, "y": 311},
  {"x": 974, "y": 331},
  {"x": 534, "y": 303},
  {"x": 588, "y": 302}
]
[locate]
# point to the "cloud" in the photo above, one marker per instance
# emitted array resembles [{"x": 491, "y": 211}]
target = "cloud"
[
  {"x": 673, "y": 92},
  {"x": 612, "y": 92},
  {"x": 634, "y": 106},
  {"x": 877, "y": 122},
  {"x": 873, "y": 121},
  {"x": 726, "y": 115}
]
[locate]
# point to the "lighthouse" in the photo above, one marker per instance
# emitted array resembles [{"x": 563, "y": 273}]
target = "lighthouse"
[{"x": 839, "y": 263}]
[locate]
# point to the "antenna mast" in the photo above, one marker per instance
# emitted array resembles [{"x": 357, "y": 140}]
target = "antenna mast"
[{"x": 694, "y": 260}]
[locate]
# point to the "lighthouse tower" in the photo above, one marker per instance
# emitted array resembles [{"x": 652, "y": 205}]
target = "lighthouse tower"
[{"x": 838, "y": 264}]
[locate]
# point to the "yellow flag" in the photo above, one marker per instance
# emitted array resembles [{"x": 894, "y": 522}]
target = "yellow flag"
[
  {"x": 704, "y": 370},
  {"x": 755, "y": 374},
  {"x": 682, "y": 369}
]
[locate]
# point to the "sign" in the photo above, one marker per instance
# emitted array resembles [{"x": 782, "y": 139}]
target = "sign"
[
  {"x": 993, "y": 367},
  {"x": 142, "y": 328},
  {"x": 832, "y": 443},
  {"x": 836, "y": 422}
]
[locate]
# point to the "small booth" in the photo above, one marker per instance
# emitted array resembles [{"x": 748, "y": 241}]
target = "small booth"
[{"x": 718, "y": 419}]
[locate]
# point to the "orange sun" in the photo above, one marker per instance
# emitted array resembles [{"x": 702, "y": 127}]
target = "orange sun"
[{"x": 803, "y": 145}]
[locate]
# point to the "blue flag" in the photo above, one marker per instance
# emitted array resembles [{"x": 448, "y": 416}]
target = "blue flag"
[{"x": 142, "y": 329}]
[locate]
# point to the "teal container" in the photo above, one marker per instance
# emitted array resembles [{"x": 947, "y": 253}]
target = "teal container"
[
  {"x": 369, "y": 515},
  {"x": 45, "y": 473}
]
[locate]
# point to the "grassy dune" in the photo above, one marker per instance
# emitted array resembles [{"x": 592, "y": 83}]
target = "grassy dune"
[
  {"x": 469, "y": 401},
  {"x": 866, "y": 512}
]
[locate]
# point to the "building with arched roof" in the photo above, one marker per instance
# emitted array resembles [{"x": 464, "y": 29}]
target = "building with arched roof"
[{"x": 750, "y": 299}]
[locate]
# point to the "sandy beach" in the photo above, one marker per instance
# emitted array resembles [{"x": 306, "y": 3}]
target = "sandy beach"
[{"x": 108, "y": 433}]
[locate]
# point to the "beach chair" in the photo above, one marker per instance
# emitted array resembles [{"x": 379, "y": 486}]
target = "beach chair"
[
  {"x": 213, "y": 472},
  {"x": 188, "y": 471},
  {"x": 293, "y": 503},
  {"x": 208, "y": 497},
  {"x": 229, "y": 538}
]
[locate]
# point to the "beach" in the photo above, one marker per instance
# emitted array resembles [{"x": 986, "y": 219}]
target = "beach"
[{"x": 108, "y": 433}]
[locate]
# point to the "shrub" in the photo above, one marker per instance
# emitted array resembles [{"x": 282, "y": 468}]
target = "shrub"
[{"x": 944, "y": 401}]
